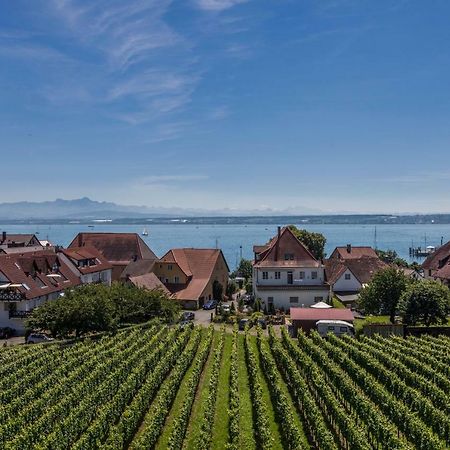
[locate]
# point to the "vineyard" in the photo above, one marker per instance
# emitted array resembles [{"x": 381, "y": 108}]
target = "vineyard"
[{"x": 198, "y": 388}]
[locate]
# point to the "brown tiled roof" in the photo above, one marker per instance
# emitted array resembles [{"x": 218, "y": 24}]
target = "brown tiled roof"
[
  {"x": 321, "y": 314},
  {"x": 149, "y": 281},
  {"x": 81, "y": 253},
  {"x": 355, "y": 252},
  {"x": 443, "y": 273},
  {"x": 363, "y": 268},
  {"x": 137, "y": 268},
  {"x": 17, "y": 238},
  {"x": 198, "y": 265},
  {"x": 117, "y": 248},
  {"x": 286, "y": 243},
  {"x": 31, "y": 269},
  {"x": 438, "y": 259}
]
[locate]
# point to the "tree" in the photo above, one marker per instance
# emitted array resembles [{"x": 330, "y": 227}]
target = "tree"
[
  {"x": 391, "y": 257},
  {"x": 231, "y": 289},
  {"x": 245, "y": 269},
  {"x": 382, "y": 294},
  {"x": 314, "y": 242},
  {"x": 217, "y": 290},
  {"x": 96, "y": 307},
  {"x": 426, "y": 302}
]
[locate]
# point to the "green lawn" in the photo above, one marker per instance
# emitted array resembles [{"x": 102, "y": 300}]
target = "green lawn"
[
  {"x": 220, "y": 436},
  {"x": 359, "y": 323},
  {"x": 336, "y": 303}
]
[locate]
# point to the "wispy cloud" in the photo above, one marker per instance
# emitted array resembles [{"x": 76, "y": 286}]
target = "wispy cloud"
[
  {"x": 158, "y": 179},
  {"x": 217, "y": 5}
]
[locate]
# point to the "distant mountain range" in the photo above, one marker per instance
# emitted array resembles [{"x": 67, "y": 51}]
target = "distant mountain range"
[{"x": 85, "y": 210}]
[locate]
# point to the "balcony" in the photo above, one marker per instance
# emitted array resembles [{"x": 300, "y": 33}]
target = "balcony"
[{"x": 19, "y": 314}]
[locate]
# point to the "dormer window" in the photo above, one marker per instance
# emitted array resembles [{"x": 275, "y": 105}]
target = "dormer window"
[{"x": 289, "y": 257}]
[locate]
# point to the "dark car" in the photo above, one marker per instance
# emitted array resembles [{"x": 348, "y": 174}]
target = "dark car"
[
  {"x": 244, "y": 322},
  {"x": 187, "y": 315},
  {"x": 186, "y": 323},
  {"x": 210, "y": 304},
  {"x": 7, "y": 332}
]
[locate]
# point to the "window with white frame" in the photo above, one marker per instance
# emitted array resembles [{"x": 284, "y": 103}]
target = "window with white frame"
[
  {"x": 293, "y": 299},
  {"x": 277, "y": 275},
  {"x": 302, "y": 275},
  {"x": 348, "y": 276},
  {"x": 314, "y": 275},
  {"x": 265, "y": 275}
]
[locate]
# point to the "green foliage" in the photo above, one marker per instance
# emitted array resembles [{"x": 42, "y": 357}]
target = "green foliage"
[
  {"x": 245, "y": 269},
  {"x": 232, "y": 287},
  {"x": 314, "y": 242},
  {"x": 426, "y": 302},
  {"x": 96, "y": 307},
  {"x": 217, "y": 290},
  {"x": 382, "y": 294}
]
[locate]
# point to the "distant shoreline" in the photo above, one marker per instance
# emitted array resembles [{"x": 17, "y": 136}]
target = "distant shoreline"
[{"x": 354, "y": 219}]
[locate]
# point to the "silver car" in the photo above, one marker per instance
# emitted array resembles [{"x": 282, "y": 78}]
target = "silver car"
[{"x": 38, "y": 338}]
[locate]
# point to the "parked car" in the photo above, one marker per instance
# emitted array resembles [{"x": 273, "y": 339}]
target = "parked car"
[
  {"x": 187, "y": 315},
  {"x": 336, "y": 327},
  {"x": 186, "y": 323},
  {"x": 226, "y": 309},
  {"x": 210, "y": 304},
  {"x": 7, "y": 332},
  {"x": 243, "y": 323},
  {"x": 38, "y": 338}
]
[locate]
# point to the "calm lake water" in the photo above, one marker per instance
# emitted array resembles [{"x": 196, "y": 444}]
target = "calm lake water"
[{"x": 230, "y": 237}]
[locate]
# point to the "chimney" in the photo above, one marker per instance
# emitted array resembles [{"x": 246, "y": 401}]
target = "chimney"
[
  {"x": 277, "y": 243},
  {"x": 3, "y": 236},
  {"x": 349, "y": 248}
]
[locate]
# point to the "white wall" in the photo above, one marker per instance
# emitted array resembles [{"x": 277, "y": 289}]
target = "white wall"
[
  {"x": 272, "y": 281},
  {"x": 343, "y": 285},
  {"x": 281, "y": 298}
]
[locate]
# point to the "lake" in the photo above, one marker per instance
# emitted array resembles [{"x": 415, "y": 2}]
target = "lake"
[{"x": 229, "y": 238}]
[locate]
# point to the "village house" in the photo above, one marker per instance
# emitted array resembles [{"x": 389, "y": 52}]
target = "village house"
[
  {"x": 286, "y": 274},
  {"x": 88, "y": 264},
  {"x": 349, "y": 269},
  {"x": 119, "y": 249},
  {"x": 29, "y": 279},
  {"x": 190, "y": 273},
  {"x": 19, "y": 243},
  {"x": 437, "y": 261}
]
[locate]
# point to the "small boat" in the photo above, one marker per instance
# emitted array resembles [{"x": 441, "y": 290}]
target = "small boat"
[{"x": 144, "y": 232}]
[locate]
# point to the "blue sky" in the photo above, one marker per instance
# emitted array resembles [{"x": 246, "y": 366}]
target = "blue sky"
[{"x": 327, "y": 105}]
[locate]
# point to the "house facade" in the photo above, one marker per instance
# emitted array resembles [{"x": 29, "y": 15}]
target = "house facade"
[
  {"x": 286, "y": 274},
  {"x": 119, "y": 249},
  {"x": 190, "y": 273},
  {"x": 89, "y": 265},
  {"x": 29, "y": 279}
]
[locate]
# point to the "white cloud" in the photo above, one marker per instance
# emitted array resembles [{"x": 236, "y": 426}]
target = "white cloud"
[{"x": 217, "y": 5}]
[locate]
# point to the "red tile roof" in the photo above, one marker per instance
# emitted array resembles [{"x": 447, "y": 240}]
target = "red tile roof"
[
  {"x": 32, "y": 269},
  {"x": 198, "y": 265},
  {"x": 77, "y": 254},
  {"x": 149, "y": 281},
  {"x": 286, "y": 243},
  {"x": 25, "y": 239},
  {"x": 438, "y": 259},
  {"x": 137, "y": 268},
  {"x": 321, "y": 314},
  {"x": 354, "y": 253},
  {"x": 363, "y": 268},
  {"x": 117, "y": 248},
  {"x": 443, "y": 273}
]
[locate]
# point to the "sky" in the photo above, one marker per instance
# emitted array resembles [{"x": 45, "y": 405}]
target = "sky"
[{"x": 294, "y": 105}]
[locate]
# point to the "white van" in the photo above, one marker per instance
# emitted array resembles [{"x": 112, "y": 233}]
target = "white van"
[{"x": 336, "y": 327}]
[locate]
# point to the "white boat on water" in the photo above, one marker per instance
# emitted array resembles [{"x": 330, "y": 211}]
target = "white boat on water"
[{"x": 144, "y": 232}]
